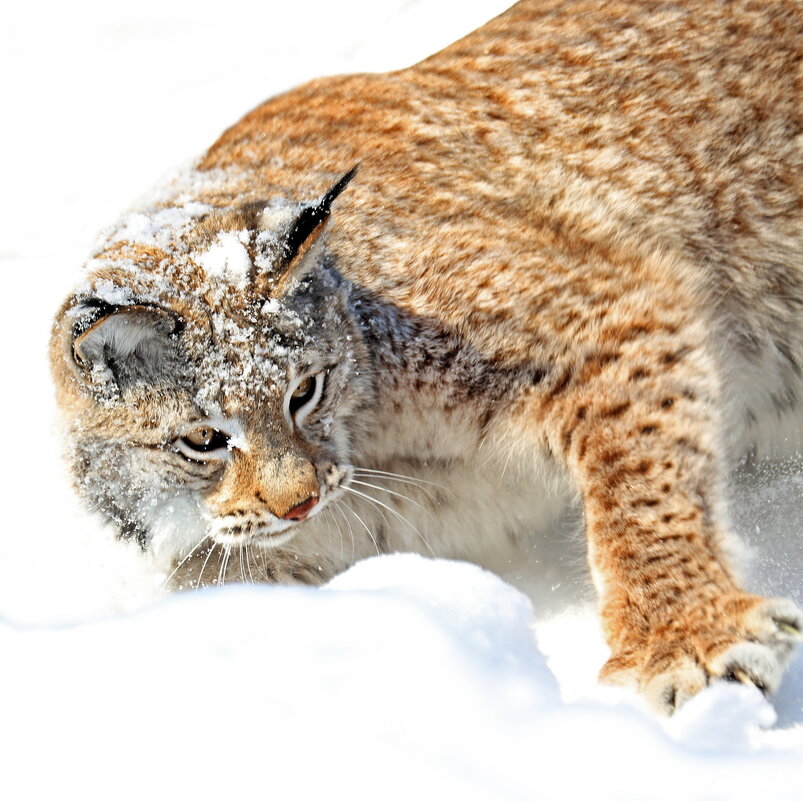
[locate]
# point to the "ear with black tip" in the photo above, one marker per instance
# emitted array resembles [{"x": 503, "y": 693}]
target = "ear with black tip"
[
  {"x": 131, "y": 345},
  {"x": 304, "y": 234}
]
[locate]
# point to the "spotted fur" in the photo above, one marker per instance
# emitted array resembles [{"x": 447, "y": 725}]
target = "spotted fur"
[{"x": 568, "y": 266}]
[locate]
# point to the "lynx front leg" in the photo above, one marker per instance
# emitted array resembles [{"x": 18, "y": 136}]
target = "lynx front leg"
[{"x": 637, "y": 426}]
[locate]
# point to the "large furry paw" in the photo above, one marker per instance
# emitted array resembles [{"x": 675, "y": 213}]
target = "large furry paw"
[{"x": 742, "y": 638}]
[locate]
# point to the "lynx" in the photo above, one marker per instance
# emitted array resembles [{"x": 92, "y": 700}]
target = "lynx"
[{"x": 418, "y": 311}]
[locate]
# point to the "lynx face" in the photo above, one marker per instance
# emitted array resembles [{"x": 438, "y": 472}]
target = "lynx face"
[{"x": 218, "y": 406}]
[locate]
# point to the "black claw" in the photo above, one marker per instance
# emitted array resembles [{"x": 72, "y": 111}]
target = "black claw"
[
  {"x": 670, "y": 697},
  {"x": 743, "y": 677},
  {"x": 788, "y": 627}
]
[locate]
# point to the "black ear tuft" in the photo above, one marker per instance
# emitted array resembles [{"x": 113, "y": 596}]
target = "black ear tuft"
[
  {"x": 341, "y": 184},
  {"x": 312, "y": 217}
]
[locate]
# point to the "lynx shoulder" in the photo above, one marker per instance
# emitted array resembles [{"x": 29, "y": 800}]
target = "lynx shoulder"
[{"x": 568, "y": 265}]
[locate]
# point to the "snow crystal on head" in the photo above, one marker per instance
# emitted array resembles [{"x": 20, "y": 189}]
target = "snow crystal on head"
[
  {"x": 227, "y": 258},
  {"x": 111, "y": 293},
  {"x": 163, "y": 252},
  {"x": 161, "y": 227},
  {"x": 137, "y": 228},
  {"x": 164, "y": 216},
  {"x": 269, "y": 244},
  {"x": 255, "y": 351}
]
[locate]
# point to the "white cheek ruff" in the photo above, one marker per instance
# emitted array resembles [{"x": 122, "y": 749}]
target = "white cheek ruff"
[{"x": 176, "y": 526}]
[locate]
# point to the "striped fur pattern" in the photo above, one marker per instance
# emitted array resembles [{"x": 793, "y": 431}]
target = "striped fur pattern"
[{"x": 567, "y": 268}]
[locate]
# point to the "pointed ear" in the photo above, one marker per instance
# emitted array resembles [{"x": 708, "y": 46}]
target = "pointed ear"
[
  {"x": 130, "y": 345},
  {"x": 301, "y": 242}
]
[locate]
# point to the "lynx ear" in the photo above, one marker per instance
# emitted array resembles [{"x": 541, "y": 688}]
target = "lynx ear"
[
  {"x": 302, "y": 238},
  {"x": 133, "y": 344}
]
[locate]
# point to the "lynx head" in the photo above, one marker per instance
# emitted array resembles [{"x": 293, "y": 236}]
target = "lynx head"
[{"x": 211, "y": 374}]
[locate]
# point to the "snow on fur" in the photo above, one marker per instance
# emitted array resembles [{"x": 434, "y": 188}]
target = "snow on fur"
[{"x": 405, "y": 677}]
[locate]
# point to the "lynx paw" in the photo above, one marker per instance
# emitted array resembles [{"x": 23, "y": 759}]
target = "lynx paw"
[{"x": 746, "y": 639}]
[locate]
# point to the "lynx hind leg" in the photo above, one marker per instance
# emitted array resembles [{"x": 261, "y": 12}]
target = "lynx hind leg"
[{"x": 636, "y": 425}]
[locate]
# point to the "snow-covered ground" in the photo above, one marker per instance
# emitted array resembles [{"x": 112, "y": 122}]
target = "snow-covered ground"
[{"x": 404, "y": 677}]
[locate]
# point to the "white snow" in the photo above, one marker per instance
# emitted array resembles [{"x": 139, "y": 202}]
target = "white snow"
[
  {"x": 405, "y": 677},
  {"x": 228, "y": 258},
  {"x": 160, "y": 227}
]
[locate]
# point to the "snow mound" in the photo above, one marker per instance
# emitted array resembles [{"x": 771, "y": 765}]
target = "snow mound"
[{"x": 404, "y": 676}]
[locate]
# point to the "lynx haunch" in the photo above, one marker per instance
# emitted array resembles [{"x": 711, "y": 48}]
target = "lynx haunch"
[{"x": 567, "y": 265}]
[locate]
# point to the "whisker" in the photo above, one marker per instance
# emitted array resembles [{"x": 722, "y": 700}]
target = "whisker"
[
  {"x": 394, "y": 512},
  {"x": 429, "y": 492},
  {"x": 265, "y": 572},
  {"x": 248, "y": 557},
  {"x": 183, "y": 560},
  {"x": 221, "y": 576},
  {"x": 337, "y": 526},
  {"x": 402, "y": 476},
  {"x": 397, "y": 494},
  {"x": 203, "y": 566},
  {"x": 348, "y": 522},
  {"x": 240, "y": 559},
  {"x": 378, "y": 552}
]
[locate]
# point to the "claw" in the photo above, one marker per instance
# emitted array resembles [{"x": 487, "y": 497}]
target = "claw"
[
  {"x": 742, "y": 676},
  {"x": 788, "y": 628}
]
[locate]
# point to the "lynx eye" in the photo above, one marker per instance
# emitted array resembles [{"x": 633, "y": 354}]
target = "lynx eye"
[
  {"x": 304, "y": 396},
  {"x": 303, "y": 392},
  {"x": 202, "y": 441}
]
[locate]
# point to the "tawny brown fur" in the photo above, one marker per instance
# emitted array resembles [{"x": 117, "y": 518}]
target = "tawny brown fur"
[{"x": 590, "y": 213}]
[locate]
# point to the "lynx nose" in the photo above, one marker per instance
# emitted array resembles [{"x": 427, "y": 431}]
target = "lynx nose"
[{"x": 301, "y": 510}]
